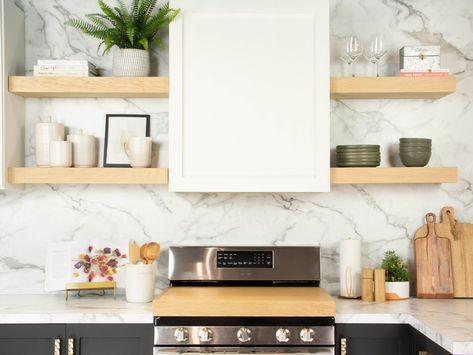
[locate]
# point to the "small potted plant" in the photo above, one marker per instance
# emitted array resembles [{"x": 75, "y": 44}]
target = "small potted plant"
[
  {"x": 132, "y": 30},
  {"x": 397, "y": 276}
]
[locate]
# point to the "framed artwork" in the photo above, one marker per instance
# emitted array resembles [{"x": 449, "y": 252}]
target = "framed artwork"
[{"x": 118, "y": 129}]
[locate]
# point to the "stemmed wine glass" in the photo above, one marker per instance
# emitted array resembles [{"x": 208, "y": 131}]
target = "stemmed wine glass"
[
  {"x": 376, "y": 51},
  {"x": 352, "y": 50}
]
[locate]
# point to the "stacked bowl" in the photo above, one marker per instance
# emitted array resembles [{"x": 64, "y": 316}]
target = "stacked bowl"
[
  {"x": 358, "y": 155},
  {"x": 415, "y": 152}
]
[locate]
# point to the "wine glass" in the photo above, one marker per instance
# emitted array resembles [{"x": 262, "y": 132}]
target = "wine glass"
[
  {"x": 376, "y": 51},
  {"x": 352, "y": 50}
]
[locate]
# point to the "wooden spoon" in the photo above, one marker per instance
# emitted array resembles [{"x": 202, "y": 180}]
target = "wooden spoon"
[
  {"x": 152, "y": 252},
  {"x": 143, "y": 251}
]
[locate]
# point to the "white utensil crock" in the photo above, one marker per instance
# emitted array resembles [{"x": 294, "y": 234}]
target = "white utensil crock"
[
  {"x": 140, "y": 280},
  {"x": 45, "y": 133},
  {"x": 138, "y": 150}
]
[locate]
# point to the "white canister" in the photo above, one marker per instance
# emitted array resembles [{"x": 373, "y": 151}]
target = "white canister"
[
  {"x": 138, "y": 150},
  {"x": 84, "y": 154},
  {"x": 350, "y": 268},
  {"x": 60, "y": 154},
  {"x": 45, "y": 133},
  {"x": 140, "y": 281}
]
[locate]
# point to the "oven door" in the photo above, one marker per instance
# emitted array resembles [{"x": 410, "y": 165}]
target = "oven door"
[{"x": 318, "y": 350}]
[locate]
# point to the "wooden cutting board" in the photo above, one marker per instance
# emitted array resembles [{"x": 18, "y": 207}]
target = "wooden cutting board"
[
  {"x": 433, "y": 259},
  {"x": 461, "y": 235},
  {"x": 244, "y": 302}
]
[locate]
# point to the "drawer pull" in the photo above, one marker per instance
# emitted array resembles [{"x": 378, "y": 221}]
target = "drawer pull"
[
  {"x": 343, "y": 346},
  {"x": 70, "y": 346},
  {"x": 57, "y": 347}
]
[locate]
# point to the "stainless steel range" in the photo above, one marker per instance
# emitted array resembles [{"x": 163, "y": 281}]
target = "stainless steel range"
[{"x": 244, "y": 300}]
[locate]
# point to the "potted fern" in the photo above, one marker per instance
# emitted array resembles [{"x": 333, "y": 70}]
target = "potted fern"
[
  {"x": 132, "y": 30},
  {"x": 397, "y": 276}
]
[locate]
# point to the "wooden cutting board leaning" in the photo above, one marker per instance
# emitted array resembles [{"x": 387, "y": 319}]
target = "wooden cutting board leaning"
[
  {"x": 433, "y": 259},
  {"x": 461, "y": 240}
]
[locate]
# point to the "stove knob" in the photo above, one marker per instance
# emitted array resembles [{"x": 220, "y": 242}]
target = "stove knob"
[
  {"x": 282, "y": 335},
  {"x": 205, "y": 335},
  {"x": 181, "y": 335},
  {"x": 244, "y": 335},
  {"x": 307, "y": 335}
]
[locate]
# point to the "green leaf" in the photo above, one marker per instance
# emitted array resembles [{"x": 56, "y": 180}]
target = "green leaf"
[{"x": 144, "y": 42}]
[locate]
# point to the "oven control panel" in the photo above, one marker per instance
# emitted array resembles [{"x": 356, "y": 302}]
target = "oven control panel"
[{"x": 244, "y": 259}]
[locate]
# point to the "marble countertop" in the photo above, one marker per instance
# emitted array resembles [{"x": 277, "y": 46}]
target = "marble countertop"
[{"x": 449, "y": 323}]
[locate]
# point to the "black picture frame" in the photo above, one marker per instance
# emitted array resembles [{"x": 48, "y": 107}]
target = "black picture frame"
[{"x": 108, "y": 125}]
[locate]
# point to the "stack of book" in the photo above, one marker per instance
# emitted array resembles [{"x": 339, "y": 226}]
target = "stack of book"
[
  {"x": 64, "y": 68},
  {"x": 424, "y": 73}
]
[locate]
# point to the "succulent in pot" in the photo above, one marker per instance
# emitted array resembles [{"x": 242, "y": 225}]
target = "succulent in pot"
[
  {"x": 133, "y": 30},
  {"x": 397, "y": 276}
]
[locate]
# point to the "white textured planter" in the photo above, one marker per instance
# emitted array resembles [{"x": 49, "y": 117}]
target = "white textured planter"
[
  {"x": 397, "y": 290},
  {"x": 131, "y": 62}
]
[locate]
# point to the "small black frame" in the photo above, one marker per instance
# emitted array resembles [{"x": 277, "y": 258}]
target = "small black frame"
[{"x": 109, "y": 117}]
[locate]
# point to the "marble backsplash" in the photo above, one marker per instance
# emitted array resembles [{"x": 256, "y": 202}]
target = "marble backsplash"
[{"x": 384, "y": 217}]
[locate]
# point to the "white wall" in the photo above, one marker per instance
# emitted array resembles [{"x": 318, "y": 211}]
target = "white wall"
[{"x": 385, "y": 217}]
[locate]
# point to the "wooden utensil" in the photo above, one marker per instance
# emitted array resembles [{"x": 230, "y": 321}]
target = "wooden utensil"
[
  {"x": 152, "y": 252},
  {"x": 433, "y": 259},
  {"x": 143, "y": 251},
  {"x": 461, "y": 237},
  {"x": 133, "y": 252}
]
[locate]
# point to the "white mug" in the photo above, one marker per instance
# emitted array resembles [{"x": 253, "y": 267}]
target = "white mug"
[
  {"x": 84, "y": 154},
  {"x": 60, "y": 154},
  {"x": 45, "y": 133},
  {"x": 138, "y": 150},
  {"x": 139, "y": 283}
]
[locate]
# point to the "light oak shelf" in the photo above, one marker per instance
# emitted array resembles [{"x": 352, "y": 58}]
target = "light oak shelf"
[
  {"x": 158, "y": 87},
  {"x": 159, "y": 176},
  {"x": 394, "y": 175},
  {"x": 392, "y": 87},
  {"x": 104, "y": 176},
  {"x": 89, "y": 87}
]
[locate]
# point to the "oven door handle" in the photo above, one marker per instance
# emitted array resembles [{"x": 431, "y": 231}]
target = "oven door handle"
[{"x": 316, "y": 350}]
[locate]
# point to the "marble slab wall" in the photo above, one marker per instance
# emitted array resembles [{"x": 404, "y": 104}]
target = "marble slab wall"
[{"x": 384, "y": 217}]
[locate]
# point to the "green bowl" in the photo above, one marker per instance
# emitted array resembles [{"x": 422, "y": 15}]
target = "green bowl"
[
  {"x": 413, "y": 150},
  {"x": 358, "y": 147},
  {"x": 415, "y": 140},
  {"x": 357, "y": 165},
  {"x": 414, "y": 145},
  {"x": 358, "y": 154},
  {"x": 415, "y": 159}
]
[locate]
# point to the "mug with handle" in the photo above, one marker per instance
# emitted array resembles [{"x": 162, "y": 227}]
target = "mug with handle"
[{"x": 138, "y": 150}]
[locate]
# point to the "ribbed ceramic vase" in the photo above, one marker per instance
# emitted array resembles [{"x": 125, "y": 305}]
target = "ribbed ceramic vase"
[{"x": 131, "y": 62}]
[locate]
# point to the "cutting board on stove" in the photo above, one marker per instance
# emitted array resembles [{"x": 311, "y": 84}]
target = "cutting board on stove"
[
  {"x": 433, "y": 260},
  {"x": 222, "y": 301},
  {"x": 461, "y": 240}
]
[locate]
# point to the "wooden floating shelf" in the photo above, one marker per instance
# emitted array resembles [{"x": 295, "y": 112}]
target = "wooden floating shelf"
[
  {"x": 110, "y": 176},
  {"x": 89, "y": 87},
  {"x": 394, "y": 175},
  {"x": 392, "y": 87},
  {"x": 155, "y": 176}
]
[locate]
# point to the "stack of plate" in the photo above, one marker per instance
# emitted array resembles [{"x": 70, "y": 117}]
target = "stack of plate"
[
  {"x": 358, "y": 156},
  {"x": 415, "y": 151}
]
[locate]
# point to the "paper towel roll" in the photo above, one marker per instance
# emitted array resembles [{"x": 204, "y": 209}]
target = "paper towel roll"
[{"x": 350, "y": 268}]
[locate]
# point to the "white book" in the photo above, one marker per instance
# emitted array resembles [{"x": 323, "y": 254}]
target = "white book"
[
  {"x": 63, "y": 68},
  {"x": 65, "y": 62},
  {"x": 58, "y": 72}
]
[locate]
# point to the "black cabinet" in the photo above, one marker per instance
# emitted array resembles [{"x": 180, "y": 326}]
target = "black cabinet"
[
  {"x": 83, "y": 339},
  {"x": 373, "y": 339},
  {"x": 424, "y": 346},
  {"x": 19, "y": 339},
  {"x": 386, "y": 339}
]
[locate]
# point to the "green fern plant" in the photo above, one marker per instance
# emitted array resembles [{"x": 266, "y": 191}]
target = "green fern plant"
[
  {"x": 137, "y": 27},
  {"x": 396, "y": 269}
]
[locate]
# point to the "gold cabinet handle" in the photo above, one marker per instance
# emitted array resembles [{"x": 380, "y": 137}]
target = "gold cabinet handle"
[
  {"x": 57, "y": 347},
  {"x": 343, "y": 346},
  {"x": 70, "y": 346}
]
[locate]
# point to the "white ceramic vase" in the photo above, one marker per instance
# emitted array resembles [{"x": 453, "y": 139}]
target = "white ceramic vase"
[
  {"x": 397, "y": 290},
  {"x": 131, "y": 62}
]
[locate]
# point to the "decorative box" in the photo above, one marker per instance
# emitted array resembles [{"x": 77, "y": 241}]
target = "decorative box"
[{"x": 420, "y": 57}]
